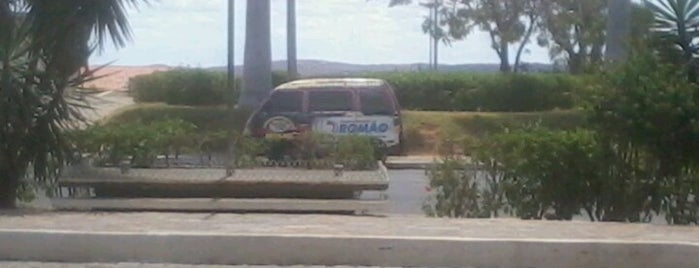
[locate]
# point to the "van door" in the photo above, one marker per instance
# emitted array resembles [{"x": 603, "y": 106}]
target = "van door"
[
  {"x": 373, "y": 117},
  {"x": 281, "y": 113}
]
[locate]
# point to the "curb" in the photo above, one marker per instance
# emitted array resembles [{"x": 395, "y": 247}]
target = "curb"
[
  {"x": 253, "y": 249},
  {"x": 408, "y": 165}
]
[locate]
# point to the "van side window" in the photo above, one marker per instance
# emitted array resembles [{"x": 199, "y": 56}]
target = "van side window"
[
  {"x": 320, "y": 101},
  {"x": 285, "y": 102},
  {"x": 375, "y": 102}
]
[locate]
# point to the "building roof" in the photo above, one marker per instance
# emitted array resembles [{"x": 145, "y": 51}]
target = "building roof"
[{"x": 331, "y": 83}]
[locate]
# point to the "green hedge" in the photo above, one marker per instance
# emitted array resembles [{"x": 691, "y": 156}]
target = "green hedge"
[
  {"x": 194, "y": 87},
  {"x": 416, "y": 91},
  {"x": 483, "y": 92}
]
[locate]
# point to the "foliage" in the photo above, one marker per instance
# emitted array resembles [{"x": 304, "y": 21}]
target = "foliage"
[
  {"x": 536, "y": 173},
  {"x": 507, "y": 22},
  {"x": 418, "y": 91},
  {"x": 483, "y": 92},
  {"x": 139, "y": 143},
  {"x": 651, "y": 107},
  {"x": 194, "y": 87},
  {"x": 356, "y": 152},
  {"x": 574, "y": 30},
  {"x": 180, "y": 87},
  {"x": 657, "y": 110},
  {"x": 455, "y": 191},
  {"x": 142, "y": 143},
  {"x": 207, "y": 119},
  {"x": 636, "y": 160},
  {"x": 43, "y": 58},
  {"x": 421, "y": 129}
]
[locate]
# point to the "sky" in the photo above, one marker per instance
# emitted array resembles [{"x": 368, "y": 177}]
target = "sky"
[{"x": 193, "y": 33}]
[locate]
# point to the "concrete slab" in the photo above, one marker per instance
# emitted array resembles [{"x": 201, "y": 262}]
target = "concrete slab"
[
  {"x": 412, "y": 162},
  {"x": 301, "y": 249},
  {"x": 221, "y": 205},
  {"x": 336, "y": 240}
]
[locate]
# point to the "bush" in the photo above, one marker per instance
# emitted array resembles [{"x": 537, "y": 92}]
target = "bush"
[
  {"x": 529, "y": 173},
  {"x": 637, "y": 160},
  {"x": 141, "y": 143},
  {"x": 536, "y": 173},
  {"x": 181, "y": 87},
  {"x": 647, "y": 111},
  {"x": 195, "y": 87},
  {"x": 483, "y": 92},
  {"x": 415, "y": 91},
  {"x": 206, "y": 119}
]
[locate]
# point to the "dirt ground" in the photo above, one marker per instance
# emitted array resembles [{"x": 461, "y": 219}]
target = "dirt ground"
[{"x": 117, "y": 77}]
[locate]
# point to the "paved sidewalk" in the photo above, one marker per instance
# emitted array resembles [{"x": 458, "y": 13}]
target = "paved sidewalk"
[
  {"x": 142, "y": 265},
  {"x": 274, "y": 239},
  {"x": 391, "y": 226}
]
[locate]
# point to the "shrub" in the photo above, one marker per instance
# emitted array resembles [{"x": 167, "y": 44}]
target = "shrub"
[
  {"x": 548, "y": 171},
  {"x": 356, "y": 152},
  {"x": 455, "y": 192},
  {"x": 206, "y": 119},
  {"x": 647, "y": 111},
  {"x": 195, "y": 87},
  {"x": 181, "y": 87},
  {"x": 636, "y": 160},
  {"x": 536, "y": 173},
  {"x": 527, "y": 173},
  {"x": 141, "y": 143},
  {"x": 483, "y": 92}
]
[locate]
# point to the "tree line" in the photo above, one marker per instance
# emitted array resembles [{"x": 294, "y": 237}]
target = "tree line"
[{"x": 573, "y": 31}]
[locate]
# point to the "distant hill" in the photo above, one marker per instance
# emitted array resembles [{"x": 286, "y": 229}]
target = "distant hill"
[
  {"x": 328, "y": 68},
  {"x": 117, "y": 77}
]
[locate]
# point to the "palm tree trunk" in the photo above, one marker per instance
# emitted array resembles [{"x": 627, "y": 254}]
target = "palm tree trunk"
[
  {"x": 8, "y": 188},
  {"x": 292, "y": 68},
  {"x": 504, "y": 57},
  {"x": 257, "y": 69},
  {"x": 618, "y": 29}
]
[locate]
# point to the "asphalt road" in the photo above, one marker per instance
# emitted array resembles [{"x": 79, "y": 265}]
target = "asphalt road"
[{"x": 407, "y": 191}]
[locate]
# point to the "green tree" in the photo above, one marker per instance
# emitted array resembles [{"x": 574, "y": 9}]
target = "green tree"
[
  {"x": 44, "y": 47},
  {"x": 257, "y": 69},
  {"x": 574, "y": 31},
  {"x": 508, "y": 22}
]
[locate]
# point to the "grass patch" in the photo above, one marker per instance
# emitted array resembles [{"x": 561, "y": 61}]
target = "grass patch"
[
  {"x": 207, "y": 118},
  {"x": 422, "y": 129},
  {"x": 426, "y": 128}
]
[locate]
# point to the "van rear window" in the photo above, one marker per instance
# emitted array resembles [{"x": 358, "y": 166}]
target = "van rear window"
[
  {"x": 320, "y": 101},
  {"x": 375, "y": 102},
  {"x": 284, "y": 102}
]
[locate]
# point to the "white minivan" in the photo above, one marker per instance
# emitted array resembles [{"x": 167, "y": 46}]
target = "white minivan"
[{"x": 340, "y": 106}]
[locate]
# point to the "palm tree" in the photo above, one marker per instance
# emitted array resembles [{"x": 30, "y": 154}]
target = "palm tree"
[
  {"x": 292, "y": 68},
  {"x": 257, "y": 69},
  {"x": 677, "y": 23},
  {"x": 618, "y": 29},
  {"x": 44, "y": 48}
]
